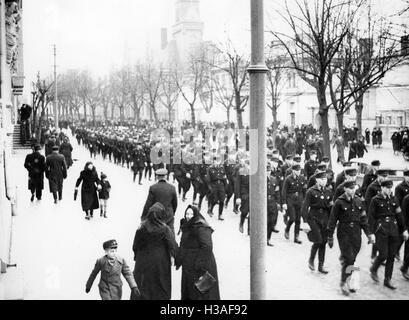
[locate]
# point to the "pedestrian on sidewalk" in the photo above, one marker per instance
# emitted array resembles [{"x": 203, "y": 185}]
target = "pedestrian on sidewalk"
[
  {"x": 104, "y": 194},
  {"x": 196, "y": 256},
  {"x": 35, "y": 165},
  {"x": 56, "y": 172},
  {"x": 154, "y": 248},
  {"x": 111, "y": 267},
  {"x": 90, "y": 184}
]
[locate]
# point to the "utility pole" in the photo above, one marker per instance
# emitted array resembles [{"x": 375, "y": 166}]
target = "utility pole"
[
  {"x": 56, "y": 116},
  {"x": 258, "y": 177}
]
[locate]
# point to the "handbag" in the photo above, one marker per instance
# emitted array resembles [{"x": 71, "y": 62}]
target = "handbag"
[{"x": 205, "y": 283}]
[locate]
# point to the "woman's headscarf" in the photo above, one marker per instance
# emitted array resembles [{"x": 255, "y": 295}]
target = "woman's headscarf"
[
  {"x": 154, "y": 221},
  {"x": 196, "y": 221}
]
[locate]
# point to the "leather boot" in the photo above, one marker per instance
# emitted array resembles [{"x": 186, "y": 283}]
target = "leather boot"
[
  {"x": 388, "y": 283},
  {"x": 374, "y": 274},
  {"x": 322, "y": 270},
  {"x": 344, "y": 288}
]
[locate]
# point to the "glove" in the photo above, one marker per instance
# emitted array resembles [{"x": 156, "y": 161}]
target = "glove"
[
  {"x": 405, "y": 236},
  {"x": 75, "y": 194},
  {"x": 331, "y": 242},
  {"x": 136, "y": 292},
  {"x": 238, "y": 201},
  {"x": 371, "y": 239},
  {"x": 284, "y": 207},
  {"x": 87, "y": 290}
]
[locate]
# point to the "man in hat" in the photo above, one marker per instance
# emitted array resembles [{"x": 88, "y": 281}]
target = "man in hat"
[
  {"x": 315, "y": 210},
  {"x": 111, "y": 267},
  {"x": 35, "y": 165},
  {"x": 217, "y": 179},
  {"x": 350, "y": 175},
  {"x": 293, "y": 196},
  {"x": 312, "y": 180},
  {"x": 311, "y": 165},
  {"x": 138, "y": 159},
  {"x": 341, "y": 177},
  {"x": 386, "y": 225},
  {"x": 349, "y": 214},
  {"x": 56, "y": 172},
  {"x": 164, "y": 193},
  {"x": 273, "y": 199},
  {"x": 375, "y": 187},
  {"x": 371, "y": 175},
  {"x": 296, "y": 160},
  {"x": 287, "y": 165},
  {"x": 242, "y": 192}
]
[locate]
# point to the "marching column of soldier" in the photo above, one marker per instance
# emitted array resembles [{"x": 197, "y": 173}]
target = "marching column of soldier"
[{"x": 305, "y": 192}]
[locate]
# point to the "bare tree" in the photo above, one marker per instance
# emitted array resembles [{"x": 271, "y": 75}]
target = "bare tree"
[
  {"x": 224, "y": 97},
  {"x": 84, "y": 83},
  {"x": 170, "y": 91},
  {"x": 94, "y": 96},
  {"x": 120, "y": 90},
  {"x": 318, "y": 28},
  {"x": 137, "y": 92},
  {"x": 152, "y": 78}
]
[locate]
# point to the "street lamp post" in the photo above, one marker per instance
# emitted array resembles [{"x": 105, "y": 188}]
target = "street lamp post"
[{"x": 258, "y": 177}]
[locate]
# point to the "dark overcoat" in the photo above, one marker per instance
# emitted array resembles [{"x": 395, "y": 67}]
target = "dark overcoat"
[
  {"x": 56, "y": 171},
  {"x": 89, "y": 196},
  {"x": 196, "y": 257},
  {"x": 35, "y": 165},
  {"x": 66, "y": 151}
]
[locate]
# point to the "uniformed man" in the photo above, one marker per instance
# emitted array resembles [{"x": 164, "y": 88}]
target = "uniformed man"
[
  {"x": 375, "y": 187},
  {"x": 138, "y": 159},
  {"x": 293, "y": 196},
  {"x": 296, "y": 160},
  {"x": 311, "y": 165},
  {"x": 242, "y": 192},
  {"x": 315, "y": 210},
  {"x": 402, "y": 189},
  {"x": 312, "y": 180},
  {"x": 350, "y": 175},
  {"x": 386, "y": 225},
  {"x": 287, "y": 165},
  {"x": 371, "y": 175},
  {"x": 217, "y": 184},
  {"x": 273, "y": 199},
  {"x": 341, "y": 176},
  {"x": 35, "y": 165},
  {"x": 349, "y": 214},
  {"x": 148, "y": 168}
]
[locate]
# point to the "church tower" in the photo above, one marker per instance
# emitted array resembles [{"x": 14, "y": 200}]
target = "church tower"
[{"x": 188, "y": 29}]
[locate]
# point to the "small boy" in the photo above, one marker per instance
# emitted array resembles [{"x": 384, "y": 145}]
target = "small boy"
[
  {"x": 111, "y": 267},
  {"x": 104, "y": 194}
]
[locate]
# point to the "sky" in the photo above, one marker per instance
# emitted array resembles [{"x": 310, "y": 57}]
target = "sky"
[{"x": 100, "y": 34}]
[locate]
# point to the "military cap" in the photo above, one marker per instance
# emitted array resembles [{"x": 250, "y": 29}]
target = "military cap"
[
  {"x": 351, "y": 172},
  {"x": 325, "y": 159},
  {"x": 321, "y": 175},
  {"x": 296, "y": 167},
  {"x": 111, "y": 244},
  {"x": 289, "y": 157},
  {"x": 383, "y": 172},
  {"x": 406, "y": 173},
  {"x": 376, "y": 163},
  {"x": 322, "y": 167},
  {"x": 297, "y": 158},
  {"x": 161, "y": 172},
  {"x": 275, "y": 159},
  {"x": 55, "y": 148},
  {"x": 347, "y": 164},
  {"x": 349, "y": 184},
  {"x": 387, "y": 183},
  {"x": 313, "y": 152},
  {"x": 37, "y": 147}
]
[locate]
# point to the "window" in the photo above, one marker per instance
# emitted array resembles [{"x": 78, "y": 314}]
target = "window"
[
  {"x": 388, "y": 120},
  {"x": 400, "y": 121}
]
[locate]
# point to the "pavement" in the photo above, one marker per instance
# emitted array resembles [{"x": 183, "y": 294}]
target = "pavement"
[{"x": 56, "y": 248}]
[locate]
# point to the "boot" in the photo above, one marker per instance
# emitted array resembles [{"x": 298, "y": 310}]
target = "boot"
[
  {"x": 388, "y": 283},
  {"x": 221, "y": 218},
  {"x": 241, "y": 227},
  {"x": 405, "y": 274},
  {"x": 322, "y": 270},
  {"x": 311, "y": 264},
  {"x": 374, "y": 274},
  {"x": 102, "y": 213},
  {"x": 32, "y": 197},
  {"x": 344, "y": 288},
  {"x": 297, "y": 239},
  {"x": 287, "y": 235}
]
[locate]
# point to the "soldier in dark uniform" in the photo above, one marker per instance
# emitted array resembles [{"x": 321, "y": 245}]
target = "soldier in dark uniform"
[
  {"x": 311, "y": 165},
  {"x": 56, "y": 172},
  {"x": 273, "y": 200},
  {"x": 293, "y": 196},
  {"x": 35, "y": 165},
  {"x": 242, "y": 192},
  {"x": 296, "y": 160},
  {"x": 287, "y": 165},
  {"x": 164, "y": 193},
  {"x": 350, "y": 175},
  {"x": 217, "y": 185},
  {"x": 387, "y": 225},
  {"x": 186, "y": 168},
  {"x": 148, "y": 168},
  {"x": 230, "y": 167},
  {"x": 138, "y": 162},
  {"x": 315, "y": 210},
  {"x": 370, "y": 176},
  {"x": 401, "y": 191},
  {"x": 312, "y": 180},
  {"x": 405, "y": 212},
  {"x": 349, "y": 213}
]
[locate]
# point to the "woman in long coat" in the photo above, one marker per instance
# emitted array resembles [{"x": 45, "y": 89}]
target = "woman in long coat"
[
  {"x": 154, "y": 245},
  {"x": 90, "y": 185},
  {"x": 196, "y": 256},
  {"x": 374, "y": 137}
]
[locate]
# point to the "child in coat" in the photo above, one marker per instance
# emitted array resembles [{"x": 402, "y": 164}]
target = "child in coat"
[
  {"x": 111, "y": 267},
  {"x": 104, "y": 194}
]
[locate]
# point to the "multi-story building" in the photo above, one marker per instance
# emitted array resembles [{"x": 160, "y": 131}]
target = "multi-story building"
[{"x": 11, "y": 87}]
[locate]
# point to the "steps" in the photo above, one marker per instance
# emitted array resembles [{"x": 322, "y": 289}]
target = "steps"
[{"x": 16, "y": 140}]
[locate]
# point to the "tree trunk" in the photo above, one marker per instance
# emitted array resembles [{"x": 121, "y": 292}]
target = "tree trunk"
[
  {"x": 93, "y": 115},
  {"x": 85, "y": 111},
  {"x": 239, "y": 112},
  {"x": 113, "y": 112},
  {"x": 105, "y": 108},
  {"x": 170, "y": 114},
  {"x": 359, "y": 106},
  {"x": 193, "y": 115},
  {"x": 121, "y": 114},
  {"x": 275, "y": 124},
  {"x": 340, "y": 120},
  {"x": 154, "y": 113},
  {"x": 322, "y": 99},
  {"x": 228, "y": 115}
]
